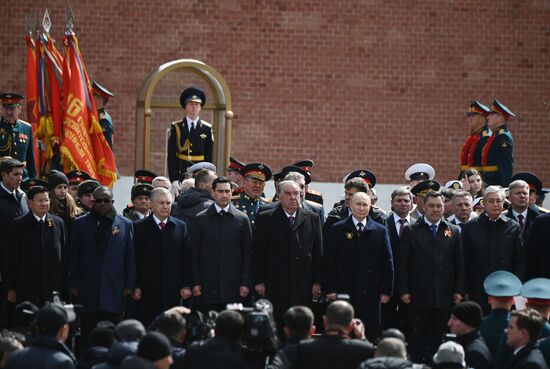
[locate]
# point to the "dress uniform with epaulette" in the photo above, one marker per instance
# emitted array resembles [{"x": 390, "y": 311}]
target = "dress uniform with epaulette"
[
  {"x": 16, "y": 139},
  {"x": 190, "y": 141},
  {"x": 246, "y": 203},
  {"x": 311, "y": 195},
  {"x": 105, "y": 120},
  {"x": 470, "y": 157},
  {"x": 497, "y": 157}
]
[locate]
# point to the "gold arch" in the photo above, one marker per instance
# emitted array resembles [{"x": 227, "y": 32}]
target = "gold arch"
[{"x": 221, "y": 106}]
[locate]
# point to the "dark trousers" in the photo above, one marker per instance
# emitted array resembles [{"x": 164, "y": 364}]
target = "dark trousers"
[
  {"x": 394, "y": 314},
  {"x": 427, "y": 329}
]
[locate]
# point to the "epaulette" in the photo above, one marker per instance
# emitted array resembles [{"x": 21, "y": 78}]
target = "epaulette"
[
  {"x": 206, "y": 123},
  {"x": 313, "y": 192},
  {"x": 267, "y": 200},
  {"x": 543, "y": 210},
  {"x": 24, "y": 123},
  {"x": 501, "y": 131},
  {"x": 485, "y": 134},
  {"x": 176, "y": 122},
  {"x": 313, "y": 203},
  {"x": 235, "y": 197}
]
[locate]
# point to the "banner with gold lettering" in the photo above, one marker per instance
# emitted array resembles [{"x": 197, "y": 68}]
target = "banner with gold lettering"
[{"x": 83, "y": 146}]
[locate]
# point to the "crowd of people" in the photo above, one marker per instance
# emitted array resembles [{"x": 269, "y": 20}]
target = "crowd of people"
[{"x": 202, "y": 270}]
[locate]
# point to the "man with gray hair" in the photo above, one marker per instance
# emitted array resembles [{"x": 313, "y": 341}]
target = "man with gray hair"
[
  {"x": 519, "y": 209},
  {"x": 462, "y": 204},
  {"x": 287, "y": 253},
  {"x": 491, "y": 242},
  {"x": 162, "y": 259}
]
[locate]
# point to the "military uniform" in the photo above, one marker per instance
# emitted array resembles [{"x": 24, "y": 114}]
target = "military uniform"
[
  {"x": 16, "y": 140},
  {"x": 246, "y": 203},
  {"x": 105, "y": 120},
  {"x": 497, "y": 157},
  {"x": 470, "y": 157},
  {"x": 310, "y": 194},
  {"x": 188, "y": 146}
]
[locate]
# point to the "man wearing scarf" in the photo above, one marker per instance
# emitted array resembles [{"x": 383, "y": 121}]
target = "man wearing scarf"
[{"x": 102, "y": 263}]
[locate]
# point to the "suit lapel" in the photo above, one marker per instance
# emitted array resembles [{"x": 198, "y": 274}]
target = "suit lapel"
[
  {"x": 520, "y": 355},
  {"x": 300, "y": 217}
]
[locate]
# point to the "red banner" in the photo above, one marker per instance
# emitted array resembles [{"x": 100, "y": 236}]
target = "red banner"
[{"x": 84, "y": 146}]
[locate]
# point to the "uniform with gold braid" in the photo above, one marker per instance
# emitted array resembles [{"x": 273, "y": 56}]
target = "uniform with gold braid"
[{"x": 186, "y": 148}]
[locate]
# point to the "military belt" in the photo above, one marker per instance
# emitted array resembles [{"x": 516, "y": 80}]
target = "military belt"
[
  {"x": 491, "y": 168},
  {"x": 190, "y": 157}
]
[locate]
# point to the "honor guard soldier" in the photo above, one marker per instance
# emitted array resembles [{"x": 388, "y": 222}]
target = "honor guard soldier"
[
  {"x": 105, "y": 120},
  {"x": 470, "y": 157},
  {"x": 419, "y": 172},
  {"x": 195, "y": 168},
  {"x": 537, "y": 293},
  {"x": 235, "y": 175},
  {"x": 497, "y": 157},
  {"x": 501, "y": 287},
  {"x": 16, "y": 139},
  {"x": 191, "y": 139},
  {"x": 250, "y": 200},
  {"x": 311, "y": 195},
  {"x": 75, "y": 178}
]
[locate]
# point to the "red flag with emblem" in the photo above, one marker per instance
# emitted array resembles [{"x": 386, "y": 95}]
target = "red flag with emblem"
[{"x": 84, "y": 146}]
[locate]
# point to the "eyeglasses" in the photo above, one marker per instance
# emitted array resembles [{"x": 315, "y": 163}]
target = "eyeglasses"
[{"x": 104, "y": 201}]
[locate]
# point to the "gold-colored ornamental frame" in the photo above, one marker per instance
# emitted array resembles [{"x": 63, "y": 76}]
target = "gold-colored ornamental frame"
[{"x": 220, "y": 104}]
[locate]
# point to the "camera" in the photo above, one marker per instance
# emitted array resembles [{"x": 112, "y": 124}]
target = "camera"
[
  {"x": 260, "y": 332},
  {"x": 199, "y": 327}
]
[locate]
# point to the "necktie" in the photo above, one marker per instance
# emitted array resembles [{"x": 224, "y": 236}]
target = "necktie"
[
  {"x": 291, "y": 220},
  {"x": 520, "y": 220},
  {"x": 192, "y": 130},
  {"x": 162, "y": 225},
  {"x": 359, "y": 228},
  {"x": 222, "y": 212},
  {"x": 434, "y": 230},
  {"x": 402, "y": 223}
]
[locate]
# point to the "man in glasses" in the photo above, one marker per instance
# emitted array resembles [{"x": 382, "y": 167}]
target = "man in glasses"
[{"x": 102, "y": 262}]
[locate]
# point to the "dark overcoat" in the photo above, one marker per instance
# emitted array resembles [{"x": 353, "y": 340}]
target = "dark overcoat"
[
  {"x": 37, "y": 258},
  {"x": 288, "y": 259},
  {"x": 490, "y": 246},
  {"x": 360, "y": 265},
  {"x": 163, "y": 265},
  {"x": 538, "y": 248},
  {"x": 101, "y": 279},
  {"x": 221, "y": 254},
  {"x": 528, "y": 223},
  {"x": 431, "y": 270}
]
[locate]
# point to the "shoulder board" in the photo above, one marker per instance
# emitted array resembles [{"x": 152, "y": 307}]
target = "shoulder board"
[
  {"x": 235, "y": 197},
  {"x": 24, "y": 123},
  {"x": 313, "y": 192},
  {"x": 267, "y": 200},
  {"x": 206, "y": 123},
  {"x": 501, "y": 131},
  {"x": 543, "y": 210},
  {"x": 176, "y": 122},
  {"x": 485, "y": 134},
  {"x": 314, "y": 204}
]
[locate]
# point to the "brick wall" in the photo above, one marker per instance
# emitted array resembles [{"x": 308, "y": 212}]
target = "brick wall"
[{"x": 371, "y": 83}]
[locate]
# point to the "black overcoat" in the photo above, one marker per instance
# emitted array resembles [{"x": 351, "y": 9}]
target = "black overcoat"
[
  {"x": 288, "y": 259},
  {"x": 37, "y": 258},
  {"x": 221, "y": 254},
  {"x": 538, "y": 248},
  {"x": 360, "y": 265},
  {"x": 162, "y": 264},
  {"x": 431, "y": 270},
  {"x": 490, "y": 246}
]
